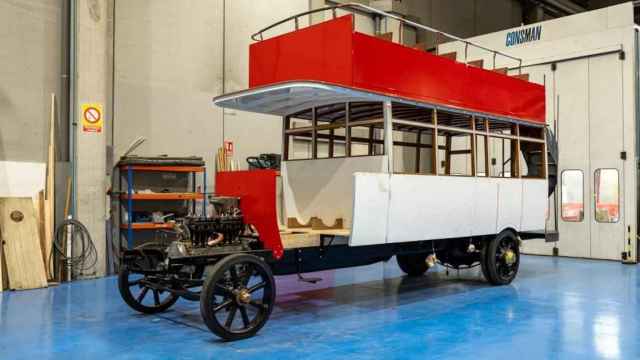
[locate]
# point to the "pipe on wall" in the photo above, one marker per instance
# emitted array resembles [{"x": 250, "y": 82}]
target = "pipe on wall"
[{"x": 72, "y": 105}]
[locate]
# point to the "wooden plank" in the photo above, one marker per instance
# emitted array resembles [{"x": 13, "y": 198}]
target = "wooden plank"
[
  {"x": 447, "y": 164},
  {"x": 524, "y": 77},
  {"x": 476, "y": 63},
  {"x": 25, "y": 267},
  {"x": 501, "y": 70},
  {"x": 473, "y": 146},
  {"x": 163, "y": 168},
  {"x": 49, "y": 200},
  {"x": 386, "y": 36},
  {"x": 293, "y": 223},
  {"x": 4, "y": 280},
  {"x": 420, "y": 46},
  {"x": 434, "y": 144},
  {"x": 3, "y": 273},
  {"x": 418, "y": 140},
  {"x": 39, "y": 204},
  {"x": 163, "y": 196},
  {"x": 451, "y": 56},
  {"x": 318, "y": 224}
]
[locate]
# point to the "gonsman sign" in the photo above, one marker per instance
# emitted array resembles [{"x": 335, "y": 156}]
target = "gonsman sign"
[{"x": 522, "y": 36}]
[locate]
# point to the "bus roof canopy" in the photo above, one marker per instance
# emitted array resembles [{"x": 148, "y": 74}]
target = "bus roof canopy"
[{"x": 331, "y": 63}]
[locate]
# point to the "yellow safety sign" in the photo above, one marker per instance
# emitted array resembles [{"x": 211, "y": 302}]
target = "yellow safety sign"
[{"x": 92, "y": 118}]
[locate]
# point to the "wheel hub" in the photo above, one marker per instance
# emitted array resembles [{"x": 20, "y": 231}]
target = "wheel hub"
[
  {"x": 509, "y": 257},
  {"x": 243, "y": 297}
]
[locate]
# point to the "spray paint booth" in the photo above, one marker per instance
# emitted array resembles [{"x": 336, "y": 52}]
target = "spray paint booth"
[{"x": 589, "y": 66}]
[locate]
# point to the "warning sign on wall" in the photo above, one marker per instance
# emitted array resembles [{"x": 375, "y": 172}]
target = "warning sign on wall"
[{"x": 92, "y": 118}]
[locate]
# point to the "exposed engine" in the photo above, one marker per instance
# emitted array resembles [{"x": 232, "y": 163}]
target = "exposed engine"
[{"x": 224, "y": 230}]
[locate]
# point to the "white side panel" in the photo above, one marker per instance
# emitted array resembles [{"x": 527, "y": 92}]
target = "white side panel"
[
  {"x": 509, "y": 203},
  {"x": 324, "y": 187},
  {"x": 534, "y": 204},
  {"x": 430, "y": 207},
  {"x": 370, "y": 209},
  {"x": 485, "y": 206}
]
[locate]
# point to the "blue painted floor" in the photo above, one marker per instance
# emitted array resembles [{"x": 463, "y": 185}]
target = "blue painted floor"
[{"x": 557, "y": 308}]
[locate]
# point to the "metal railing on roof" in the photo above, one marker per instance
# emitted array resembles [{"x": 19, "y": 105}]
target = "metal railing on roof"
[{"x": 259, "y": 36}]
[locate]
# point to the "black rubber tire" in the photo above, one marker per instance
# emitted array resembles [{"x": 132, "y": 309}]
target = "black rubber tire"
[
  {"x": 124, "y": 286},
  {"x": 499, "y": 273},
  {"x": 210, "y": 290},
  {"x": 413, "y": 264},
  {"x": 483, "y": 263}
]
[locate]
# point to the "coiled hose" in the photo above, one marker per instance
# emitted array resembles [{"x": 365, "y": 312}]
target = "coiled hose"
[{"x": 81, "y": 242}]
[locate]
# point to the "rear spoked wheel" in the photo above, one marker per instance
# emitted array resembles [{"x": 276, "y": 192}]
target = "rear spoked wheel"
[
  {"x": 238, "y": 296},
  {"x": 501, "y": 259}
]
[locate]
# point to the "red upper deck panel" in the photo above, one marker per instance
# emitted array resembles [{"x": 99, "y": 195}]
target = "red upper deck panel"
[{"x": 332, "y": 52}]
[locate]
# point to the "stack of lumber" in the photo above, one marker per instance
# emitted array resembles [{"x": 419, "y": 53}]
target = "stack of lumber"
[
  {"x": 26, "y": 222},
  {"x": 224, "y": 162}
]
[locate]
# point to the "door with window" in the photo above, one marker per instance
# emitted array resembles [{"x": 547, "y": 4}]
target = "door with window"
[
  {"x": 605, "y": 145},
  {"x": 590, "y": 141},
  {"x": 572, "y": 84}
]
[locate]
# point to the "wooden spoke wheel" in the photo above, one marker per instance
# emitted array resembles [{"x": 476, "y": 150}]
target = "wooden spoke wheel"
[
  {"x": 238, "y": 296},
  {"x": 141, "y": 293},
  {"x": 501, "y": 259}
]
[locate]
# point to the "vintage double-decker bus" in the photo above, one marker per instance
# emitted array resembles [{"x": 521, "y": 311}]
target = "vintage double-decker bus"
[{"x": 387, "y": 151}]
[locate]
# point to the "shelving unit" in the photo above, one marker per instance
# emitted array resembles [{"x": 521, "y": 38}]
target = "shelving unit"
[{"x": 132, "y": 194}]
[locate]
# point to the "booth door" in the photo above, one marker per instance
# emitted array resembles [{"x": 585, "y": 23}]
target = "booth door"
[
  {"x": 606, "y": 166},
  {"x": 572, "y": 89}
]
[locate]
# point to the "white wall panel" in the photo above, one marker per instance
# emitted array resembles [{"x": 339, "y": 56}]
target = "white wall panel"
[
  {"x": 534, "y": 204},
  {"x": 485, "y": 206},
  {"x": 371, "y": 209},
  {"x": 324, "y": 187},
  {"x": 509, "y": 203},
  {"x": 430, "y": 207}
]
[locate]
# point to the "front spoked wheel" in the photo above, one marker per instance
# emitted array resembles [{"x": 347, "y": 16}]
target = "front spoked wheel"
[
  {"x": 502, "y": 257},
  {"x": 237, "y": 297},
  {"x": 142, "y": 294}
]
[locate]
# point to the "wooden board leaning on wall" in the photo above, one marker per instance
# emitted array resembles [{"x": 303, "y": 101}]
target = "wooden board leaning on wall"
[{"x": 21, "y": 244}]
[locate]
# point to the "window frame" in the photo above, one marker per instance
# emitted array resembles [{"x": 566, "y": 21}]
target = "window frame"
[
  {"x": 595, "y": 196},
  {"x": 479, "y": 127},
  {"x": 562, "y": 217}
]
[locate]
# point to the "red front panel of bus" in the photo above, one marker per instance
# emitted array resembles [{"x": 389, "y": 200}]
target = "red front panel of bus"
[
  {"x": 257, "y": 192},
  {"x": 332, "y": 52}
]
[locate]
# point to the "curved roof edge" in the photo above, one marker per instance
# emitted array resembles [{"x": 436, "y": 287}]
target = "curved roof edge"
[{"x": 291, "y": 97}]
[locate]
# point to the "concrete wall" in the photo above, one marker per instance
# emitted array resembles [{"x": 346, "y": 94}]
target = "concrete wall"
[
  {"x": 168, "y": 66},
  {"x": 251, "y": 133},
  {"x": 172, "y": 58},
  {"x": 465, "y": 18},
  {"x": 31, "y": 57},
  {"x": 94, "y": 56}
]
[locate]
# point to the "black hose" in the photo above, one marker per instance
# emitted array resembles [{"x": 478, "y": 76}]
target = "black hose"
[{"x": 88, "y": 256}]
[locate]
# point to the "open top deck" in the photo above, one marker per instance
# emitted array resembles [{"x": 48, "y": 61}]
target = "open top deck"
[{"x": 330, "y": 62}]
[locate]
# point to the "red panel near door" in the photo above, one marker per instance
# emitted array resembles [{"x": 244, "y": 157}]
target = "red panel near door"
[{"x": 257, "y": 192}]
